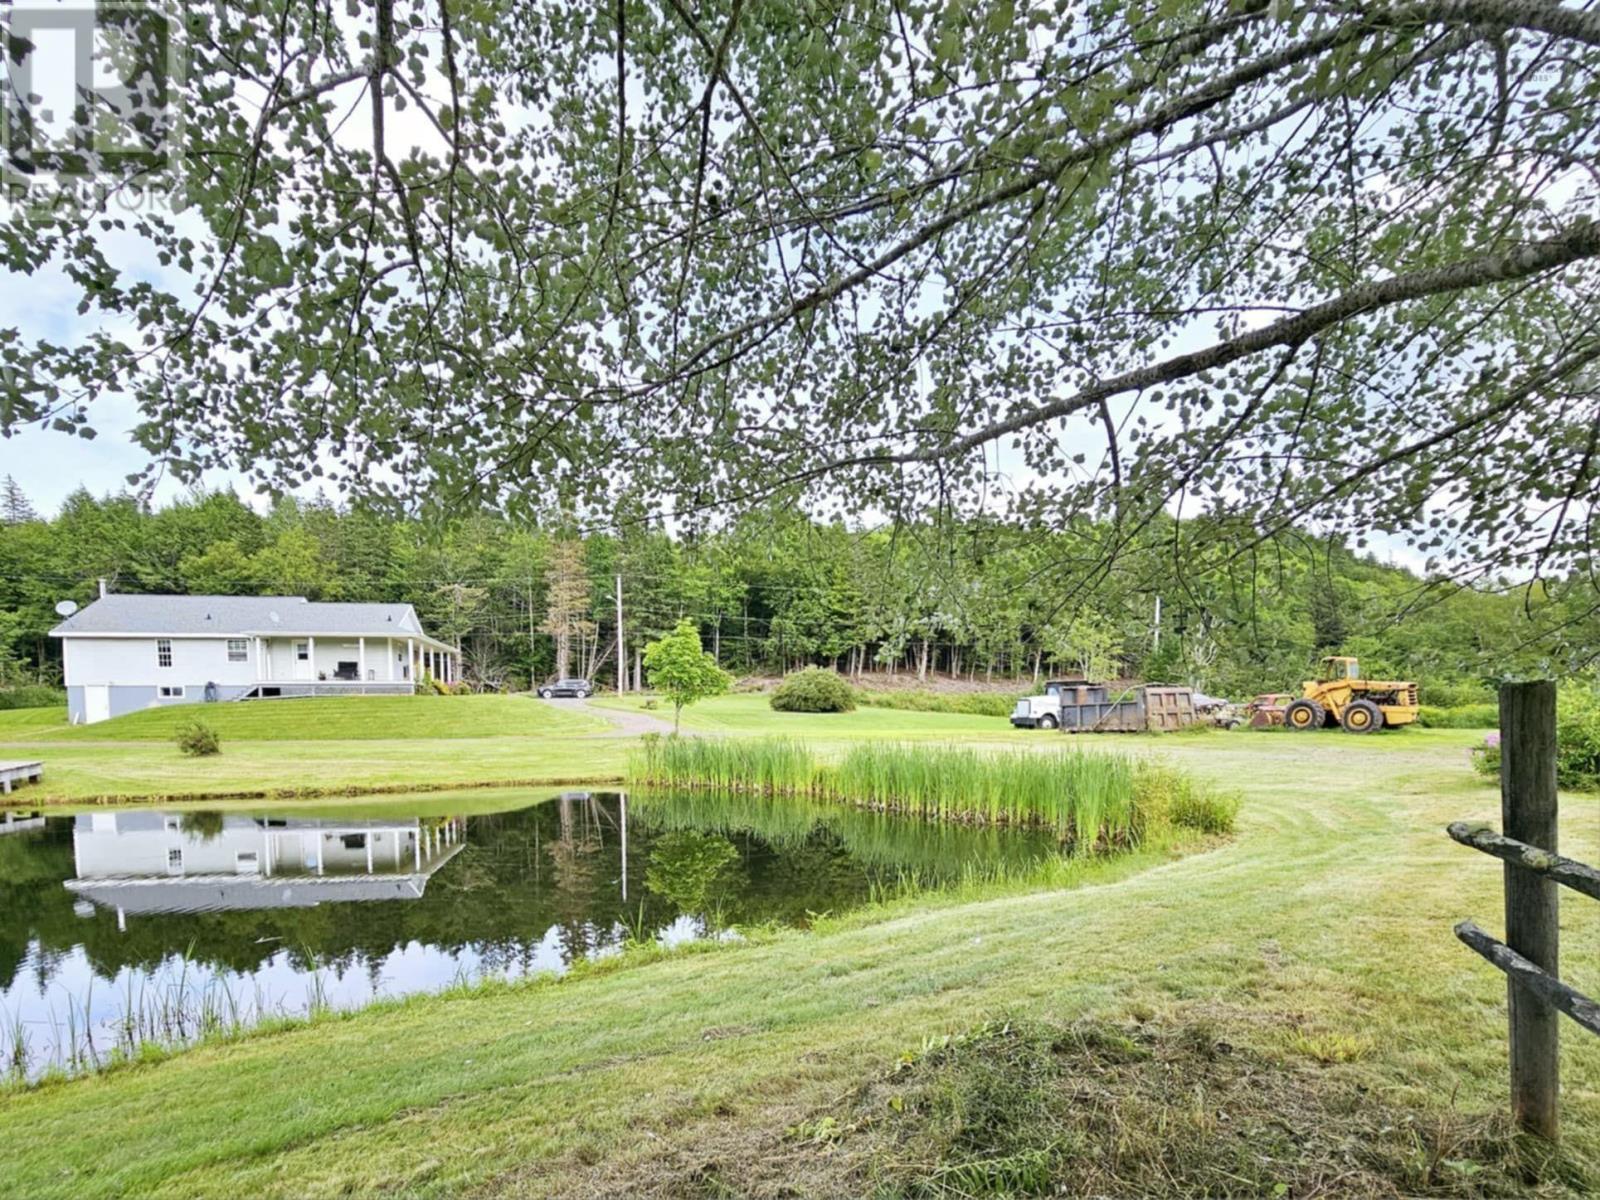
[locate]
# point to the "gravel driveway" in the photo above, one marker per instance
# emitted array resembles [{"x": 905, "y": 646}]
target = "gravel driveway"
[{"x": 633, "y": 724}]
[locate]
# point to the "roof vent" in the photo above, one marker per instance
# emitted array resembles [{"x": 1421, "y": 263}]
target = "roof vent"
[{"x": 273, "y": 615}]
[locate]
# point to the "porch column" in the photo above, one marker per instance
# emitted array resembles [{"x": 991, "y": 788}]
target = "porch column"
[
  {"x": 361, "y": 659},
  {"x": 411, "y": 660},
  {"x": 311, "y": 656},
  {"x": 260, "y": 665},
  {"x": 388, "y": 653}
]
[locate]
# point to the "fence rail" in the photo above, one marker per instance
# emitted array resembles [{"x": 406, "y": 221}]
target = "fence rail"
[
  {"x": 1568, "y": 872},
  {"x": 1549, "y": 989}
]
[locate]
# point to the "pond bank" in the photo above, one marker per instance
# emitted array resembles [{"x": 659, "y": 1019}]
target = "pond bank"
[{"x": 1316, "y": 944}]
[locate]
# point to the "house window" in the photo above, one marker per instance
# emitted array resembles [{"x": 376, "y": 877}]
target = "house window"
[
  {"x": 175, "y": 860},
  {"x": 238, "y": 650},
  {"x": 163, "y": 652},
  {"x": 302, "y": 651},
  {"x": 170, "y": 693}
]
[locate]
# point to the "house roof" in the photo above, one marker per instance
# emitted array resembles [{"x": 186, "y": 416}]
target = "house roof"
[{"x": 237, "y": 616}]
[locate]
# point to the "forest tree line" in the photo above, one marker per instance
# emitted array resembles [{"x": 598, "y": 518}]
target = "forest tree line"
[{"x": 981, "y": 602}]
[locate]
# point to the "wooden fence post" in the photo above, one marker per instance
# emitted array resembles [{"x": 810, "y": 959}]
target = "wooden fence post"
[{"x": 1528, "y": 813}]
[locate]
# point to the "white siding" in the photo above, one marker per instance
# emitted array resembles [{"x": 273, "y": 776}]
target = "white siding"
[{"x": 195, "y": 662}]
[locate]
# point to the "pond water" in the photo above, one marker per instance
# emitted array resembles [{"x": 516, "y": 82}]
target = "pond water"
[{"x": 124, "y": 927}]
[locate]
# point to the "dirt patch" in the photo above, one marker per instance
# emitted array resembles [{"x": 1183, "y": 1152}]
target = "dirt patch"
[{"x": 1091, "y": 1109}]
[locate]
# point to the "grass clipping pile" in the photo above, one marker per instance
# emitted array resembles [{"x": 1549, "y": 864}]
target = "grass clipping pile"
[{"x": 1019, "y": 1109}]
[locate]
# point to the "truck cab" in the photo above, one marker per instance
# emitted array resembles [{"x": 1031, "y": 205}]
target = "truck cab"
[{"x": 1044, "y": 710}]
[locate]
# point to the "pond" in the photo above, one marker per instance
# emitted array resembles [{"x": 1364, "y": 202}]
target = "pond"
[{"x": 119, "y": 928}]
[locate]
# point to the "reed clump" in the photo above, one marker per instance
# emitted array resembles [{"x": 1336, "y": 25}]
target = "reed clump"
[{"x": 1092, "y": 799}]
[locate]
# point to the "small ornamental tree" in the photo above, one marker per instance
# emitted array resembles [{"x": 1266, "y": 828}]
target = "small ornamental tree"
[{"x": 681, "y": 671}]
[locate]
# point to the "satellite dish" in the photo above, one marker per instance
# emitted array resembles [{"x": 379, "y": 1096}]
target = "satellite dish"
[{"x": 65, "y": 608}]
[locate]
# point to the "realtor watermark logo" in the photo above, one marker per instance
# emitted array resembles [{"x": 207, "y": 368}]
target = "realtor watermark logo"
[{"x": 93, "y": 105}]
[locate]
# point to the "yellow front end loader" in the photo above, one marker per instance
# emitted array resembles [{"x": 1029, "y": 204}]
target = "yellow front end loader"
[{"x": 1339, "y": 696}]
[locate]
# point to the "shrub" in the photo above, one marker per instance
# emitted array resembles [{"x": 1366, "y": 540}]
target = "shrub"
[
  {"x": 32, "y": 695},
  {"x": 1165, "y": 793},
  {"x": 1486, "y": 758},
  {"x": 1578, "y": 737},
  {"x": 1463, "y": 716},
  {"x": 1577, "y": 741},
  {"x": 1456, "y": 695},
  {"x": 974, "y": 704},
  {"x": 198, "y": 740},
  {"x": 814, "y": 690}
]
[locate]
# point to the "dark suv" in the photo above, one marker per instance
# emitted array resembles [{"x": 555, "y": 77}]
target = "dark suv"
[{"x": 581, "y": 688}]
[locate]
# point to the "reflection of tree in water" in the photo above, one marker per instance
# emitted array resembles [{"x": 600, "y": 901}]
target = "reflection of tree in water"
[
  {"x": 698, "y": 872},
  {"x": 204, "y": 824},
  {"x": 575, "y": 868}
]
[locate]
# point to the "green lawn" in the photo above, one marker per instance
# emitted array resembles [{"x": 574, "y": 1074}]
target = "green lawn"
[
  {"x": 31, "y": 722},
  {"x": 751, "y": 714},
  {"x": 1311, "y": 957},
  {"x": 337, "y": 744},
  {"x": 331, "y": 718}
]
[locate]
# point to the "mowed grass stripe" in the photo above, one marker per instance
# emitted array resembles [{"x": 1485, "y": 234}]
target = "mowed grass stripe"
[{"x": 322, "y": 718}]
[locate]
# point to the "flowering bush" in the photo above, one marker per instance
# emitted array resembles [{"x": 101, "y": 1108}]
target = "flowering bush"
[
  {"x": 1577, "y": 740},
  {"x": 1486, "y": 758}
]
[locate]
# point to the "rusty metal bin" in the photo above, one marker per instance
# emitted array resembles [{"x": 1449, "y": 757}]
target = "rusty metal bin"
[{"x": 1101, "y": 708}]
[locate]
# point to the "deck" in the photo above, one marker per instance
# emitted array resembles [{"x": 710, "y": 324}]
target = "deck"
[{"x": 19, "y": 772}]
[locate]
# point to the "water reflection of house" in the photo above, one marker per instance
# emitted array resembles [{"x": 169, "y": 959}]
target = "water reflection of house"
[
  {"x": 16, "y": 822},
  {"x": 147, "y": 862}
]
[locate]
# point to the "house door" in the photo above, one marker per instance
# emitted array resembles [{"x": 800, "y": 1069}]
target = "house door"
[{"x": 96, "y": 702}]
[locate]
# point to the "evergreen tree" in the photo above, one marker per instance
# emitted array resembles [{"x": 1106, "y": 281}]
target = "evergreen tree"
[{"x": 14, "y": 505}]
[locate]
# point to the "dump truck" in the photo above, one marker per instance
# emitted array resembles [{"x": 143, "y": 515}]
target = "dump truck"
[
  {"x": 1078, "y": 706},
  {"x": 1340, "y": 696}
]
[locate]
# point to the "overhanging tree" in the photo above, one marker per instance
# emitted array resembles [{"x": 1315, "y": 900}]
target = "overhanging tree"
[{"x": 1330, "y": 263}]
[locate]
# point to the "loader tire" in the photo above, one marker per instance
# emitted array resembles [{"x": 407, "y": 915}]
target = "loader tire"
[
  {"x": 1362, "y": 716},
  {"x": 1302, "y": 715}
]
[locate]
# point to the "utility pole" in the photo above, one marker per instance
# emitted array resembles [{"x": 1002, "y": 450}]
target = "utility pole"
[{"x": 622, "y": 663}]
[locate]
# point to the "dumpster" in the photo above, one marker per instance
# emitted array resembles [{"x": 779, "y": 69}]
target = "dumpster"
[{"x": 1104, "y": 708}]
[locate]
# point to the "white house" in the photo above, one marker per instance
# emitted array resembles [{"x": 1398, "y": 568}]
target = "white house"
[{"x": 123, "y": 653}]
